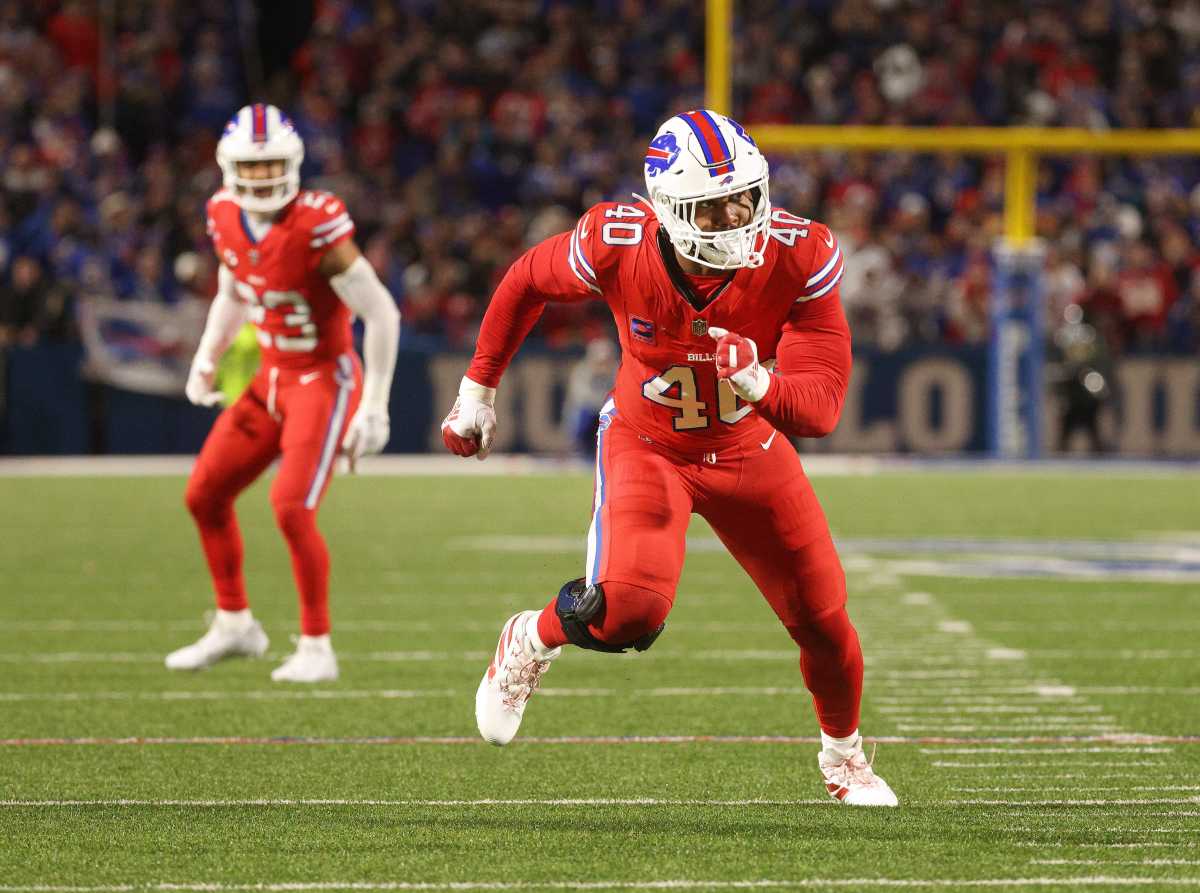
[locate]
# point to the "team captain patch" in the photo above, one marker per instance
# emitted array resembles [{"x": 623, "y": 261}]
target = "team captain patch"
[{"x": 641, "y": 329}]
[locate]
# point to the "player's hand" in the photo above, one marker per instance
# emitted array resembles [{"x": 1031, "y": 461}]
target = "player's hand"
[
  {"x": 366, "y": 435},
  {"x": 470, "y": 428},
  {"x": 737, "y": 361},
  {"x": 199, "y": 388}
]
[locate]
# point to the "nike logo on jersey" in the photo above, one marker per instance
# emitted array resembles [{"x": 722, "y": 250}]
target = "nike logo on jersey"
[
  {"x": 583, "y": 228},
  {"x": 309, "y": 377},
  {"x": 829, "y": 239},
  {"x": 766, "y": 444}
]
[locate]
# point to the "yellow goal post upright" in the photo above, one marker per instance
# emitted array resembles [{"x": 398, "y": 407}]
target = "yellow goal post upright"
[{"x": 1016, "y": 350}]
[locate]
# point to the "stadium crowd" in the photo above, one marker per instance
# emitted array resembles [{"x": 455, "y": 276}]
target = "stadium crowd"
[{"x": 461, "y": 132}]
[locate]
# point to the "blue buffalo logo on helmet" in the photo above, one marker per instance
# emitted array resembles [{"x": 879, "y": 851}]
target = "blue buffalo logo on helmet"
[{"x": 661, "y": 154}]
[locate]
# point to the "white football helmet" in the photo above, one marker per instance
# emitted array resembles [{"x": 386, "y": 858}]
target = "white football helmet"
[
  {"x": 702, "y": 155},
  {"x": 261, "y": 132}
]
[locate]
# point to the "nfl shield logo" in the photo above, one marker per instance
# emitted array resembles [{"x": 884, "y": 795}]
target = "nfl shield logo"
[
  {"x": 699, "y": 327},
  {"x": 254, "y": 256}
]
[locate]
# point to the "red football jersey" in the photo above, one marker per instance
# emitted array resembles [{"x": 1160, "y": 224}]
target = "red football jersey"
[
  {"x": 300, "y": 319},
  {"x": 667, "y": 386}
]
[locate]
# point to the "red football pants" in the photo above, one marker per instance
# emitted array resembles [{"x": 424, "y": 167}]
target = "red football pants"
[
  {"x": 761, "y": 505},
  {"x": 300, "y": 416}
]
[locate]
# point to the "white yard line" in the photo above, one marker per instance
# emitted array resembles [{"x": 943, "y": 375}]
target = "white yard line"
[
  {"x": 1081, "y": 788},
  {"x": 992, "y": 690},
  {"x": 952, "y": 764},
  {"x": 1114, "y": 861},
  {"x": 66, "y": 625},
  {"x": 644, "y": 884},
  {"x": 385, "y": 694},
  {"x": 988, "y": 708},
  {"x": 931, "y": 745},
  {"x": 1019, "y": 751},
  {"x": 1048, "y": 691},
  {"x": 1057, "y": 776},
  {"x": 1071, "y": 802},
  {"x": 532, "y": 801},
  {"x": 418, "y": 656},
  {"x": 1103, "y": 846}
]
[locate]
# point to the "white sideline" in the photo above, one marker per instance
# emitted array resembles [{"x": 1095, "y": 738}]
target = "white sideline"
[
  {"x": 415, "y": 465},
  {"x": 502, "y": 465},
  {"x": 680, "y": 884}
]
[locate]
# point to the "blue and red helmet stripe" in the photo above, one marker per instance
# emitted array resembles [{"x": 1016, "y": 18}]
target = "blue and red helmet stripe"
[
  {"x": 258, "y": 123},
  {"x": 712, "y": 142}
]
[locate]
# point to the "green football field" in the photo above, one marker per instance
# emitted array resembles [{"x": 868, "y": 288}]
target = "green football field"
[{"x": 1033, "y": 682}]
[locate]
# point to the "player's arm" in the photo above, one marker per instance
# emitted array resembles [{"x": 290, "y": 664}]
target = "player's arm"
[
  {"x": 557, "y": 269},
  {"x": 353, "y": 279},
  {"x": 226, "y": 317},
  {"x": 812, "y": 361}
]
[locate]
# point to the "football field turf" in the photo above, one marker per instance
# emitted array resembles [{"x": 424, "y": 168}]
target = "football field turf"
[{"x": 1033, "y": 679}]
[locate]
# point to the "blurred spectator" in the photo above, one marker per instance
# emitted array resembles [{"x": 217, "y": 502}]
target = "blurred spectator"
[
  {"x": 32, "y": 308},
  {"x": 460, "y": 132}
]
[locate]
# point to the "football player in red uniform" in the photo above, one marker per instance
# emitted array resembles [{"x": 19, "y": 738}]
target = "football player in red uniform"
[
  {"x": 710, "y": 288},
  {"x": 288, "y": 264}
]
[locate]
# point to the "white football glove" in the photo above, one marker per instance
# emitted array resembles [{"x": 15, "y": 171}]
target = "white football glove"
[
  {"x": 199, "y": 388},
  {"x": 737, "y": 362},
  {"x": 366, "y": 435},
  {"x": 470, "y": 428}
]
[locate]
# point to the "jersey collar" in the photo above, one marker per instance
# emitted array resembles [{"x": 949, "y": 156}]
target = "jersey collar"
[{"x": 679, "y": 279}]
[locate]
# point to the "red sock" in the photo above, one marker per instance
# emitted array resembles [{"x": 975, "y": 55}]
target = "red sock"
[
  {"x": 310, "y": 565},
  {"x": 222, "y": 542},
  {"x": 832, "y": 664},
  {"x": 549, "y": 627}
]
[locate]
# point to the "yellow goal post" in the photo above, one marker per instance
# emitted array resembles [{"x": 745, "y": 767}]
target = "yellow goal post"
[
  {"x": 1015, "y": 389},
  {"x": 1020, "y": 146}
]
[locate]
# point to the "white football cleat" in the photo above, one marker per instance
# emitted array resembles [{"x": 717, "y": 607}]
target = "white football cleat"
[
  {"x": 231, "y": 634},
  {"x": 314, "y": 661},
  {"x": 511, "y": 679},
  {"x": 851, "y": 780}
]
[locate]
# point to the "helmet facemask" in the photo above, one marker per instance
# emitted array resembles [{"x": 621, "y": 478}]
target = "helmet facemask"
[
  {"x": 279, "y": 190},
  {"x": 270, "y": 137},
  {"x": 728, "y": 249}
]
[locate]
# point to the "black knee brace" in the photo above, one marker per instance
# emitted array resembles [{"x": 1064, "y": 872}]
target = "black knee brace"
[{"x": 578, "y": 605}]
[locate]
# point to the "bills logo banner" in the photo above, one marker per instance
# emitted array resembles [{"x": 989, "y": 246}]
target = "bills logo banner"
[
  {"x": 140, "y": 345},
  {"x": 641, "y": 329}
]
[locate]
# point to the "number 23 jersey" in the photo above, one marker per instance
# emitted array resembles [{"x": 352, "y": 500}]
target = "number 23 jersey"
[
  {"x": 667, "y": 388},
  {"x": 300, "y": 319}
]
